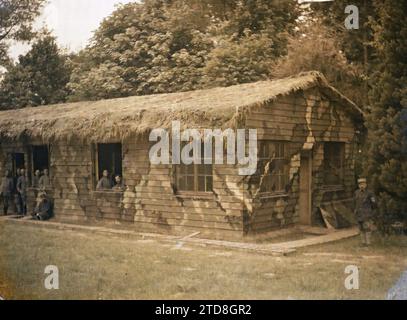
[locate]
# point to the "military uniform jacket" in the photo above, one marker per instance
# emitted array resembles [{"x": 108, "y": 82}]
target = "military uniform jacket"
[
  {"x": 7, "y": 186},
  {"x": 44, "y": 182},
  {"x": 36, "y": 182},
  {"x": 22, "y": 184},
  {"x": 44, "y": 208},
  {"x": 104, "y": 184},
  {"x": 365, "y": 205}
]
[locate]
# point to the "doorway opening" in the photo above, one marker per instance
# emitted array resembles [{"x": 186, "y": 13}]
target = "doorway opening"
[
  {"x": 18, "y": 161},
  {"x": 306, "y": 188}
]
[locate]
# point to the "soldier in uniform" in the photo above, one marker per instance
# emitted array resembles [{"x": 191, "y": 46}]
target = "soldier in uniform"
[
  {"x": 6, "y": 190},
  {"x": 36, "y": 179},
  {"x": 119, "y": 186},
  {"x": 45, "y": 182},
  {"x": 365, "y": 206},
  {"x": 22, "y": 184},
  {"x": 104, "y": 183},
  {"x": 17, "y": 198},
  {"x": 42, "y": 210}
]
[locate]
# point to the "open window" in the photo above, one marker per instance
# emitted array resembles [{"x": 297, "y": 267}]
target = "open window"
[
  {"x": 334, "y": 161},
  {"x": 272, "y": 176},
  {"x": 197, "y": 178},
  {"x": 108, "y": 157}
]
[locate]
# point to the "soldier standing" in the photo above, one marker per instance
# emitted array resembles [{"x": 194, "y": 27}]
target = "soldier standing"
[
  {"x": 6, "y": 190},
  {"x": 17, "y": 199},
  {"x": 22, "y": 184},
  {"x": 36, "y": 179},
  {"x": 45, "y": 182},
  {"x": 365, "y": 206}
]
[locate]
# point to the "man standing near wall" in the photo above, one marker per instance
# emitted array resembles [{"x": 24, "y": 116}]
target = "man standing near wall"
[
  {"x": 36, "y": 179},
  {"x": 45, "y": 182},
  {"x": 6, "y": 190},
  {"x": 22, "y": 184},
  {"x": 365, "y": 206},
  {"x": 17, "y": 199}
]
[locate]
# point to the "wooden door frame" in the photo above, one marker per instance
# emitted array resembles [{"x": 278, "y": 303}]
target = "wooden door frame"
[{"x": 306, "y": 166}]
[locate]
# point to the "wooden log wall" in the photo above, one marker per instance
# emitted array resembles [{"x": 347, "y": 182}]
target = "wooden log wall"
[
  {"x": 304, "y": 120},
  {"x": 150, "y": 203}
]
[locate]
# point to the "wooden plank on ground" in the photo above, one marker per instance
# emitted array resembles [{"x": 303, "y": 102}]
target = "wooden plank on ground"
[
  {"x": 331, "y": 237},
  {"x": 264, "y": 248}
]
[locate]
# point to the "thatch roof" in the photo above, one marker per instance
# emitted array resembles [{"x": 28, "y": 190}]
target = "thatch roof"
[{"x": 118, "y": 118}]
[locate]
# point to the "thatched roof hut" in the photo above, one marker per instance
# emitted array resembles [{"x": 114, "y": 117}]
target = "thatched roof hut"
[
  {"x": 118, "y": 118},
  {"x": 307, "y": 141}
]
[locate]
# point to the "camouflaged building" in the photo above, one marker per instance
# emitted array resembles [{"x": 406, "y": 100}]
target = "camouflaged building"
[{"x": 308, "y": 137}]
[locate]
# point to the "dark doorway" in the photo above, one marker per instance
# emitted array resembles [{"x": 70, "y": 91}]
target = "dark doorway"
[
  {"x": 18, "y": 162},
  {"x": 306, "y": 188}
]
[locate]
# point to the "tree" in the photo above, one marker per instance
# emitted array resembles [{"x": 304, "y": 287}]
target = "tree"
[
  {"x": 316, "y": 47},
  {"x": 153, "y": 47},
  {"x": 247, "y": 59},
  {"x": 40, "y": 77},
  {"x": 249, "y": 41},
  {"x": 177, "y": 45},
  {"x": 356, "y": 44},
  {"x": 387, "y": 121},
  {"x": 16, "y": 18}
]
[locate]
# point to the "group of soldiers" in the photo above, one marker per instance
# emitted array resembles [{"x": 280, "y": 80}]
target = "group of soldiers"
[
  {"x": 105, "y": 183},
  {"x": 16, "y": 188},
  {"x": 41, "y": 180}
]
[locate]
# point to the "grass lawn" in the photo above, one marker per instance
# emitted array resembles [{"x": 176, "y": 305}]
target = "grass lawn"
[{"x": 95, "y": 266}]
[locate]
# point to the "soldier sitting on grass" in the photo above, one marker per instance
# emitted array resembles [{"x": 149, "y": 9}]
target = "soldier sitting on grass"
[
  {"x": 43, "y": 208},
  {"x": 365, "y": 206}
]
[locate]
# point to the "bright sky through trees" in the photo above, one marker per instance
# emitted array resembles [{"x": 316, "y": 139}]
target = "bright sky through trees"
[{"x": 72, "y": 21}]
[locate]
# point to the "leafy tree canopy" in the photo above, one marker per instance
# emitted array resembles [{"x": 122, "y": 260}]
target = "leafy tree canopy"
[
  {"x": 40, "y": 77},
  {"x": 177, "y": 45},
  {"x": 16, "y": 18}
]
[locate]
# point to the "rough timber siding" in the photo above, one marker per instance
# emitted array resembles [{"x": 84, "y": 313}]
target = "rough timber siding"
[
  {"x": 217, "y": 215},
  {"x": 302, "y": 120},
  {"x": 150, "y": 203},
  {"x": 74, "y": 195}
]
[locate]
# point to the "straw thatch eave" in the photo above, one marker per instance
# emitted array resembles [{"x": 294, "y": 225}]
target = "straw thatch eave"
[{"x": 117, "y": 119}]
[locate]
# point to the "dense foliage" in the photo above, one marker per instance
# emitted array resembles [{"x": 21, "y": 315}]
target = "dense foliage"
[
  {"x": 16, "y": 19},
  {"x": 387, "y": 120},
  {"x": 165, "y": 46},
  {"x": 40, "y": 77}
]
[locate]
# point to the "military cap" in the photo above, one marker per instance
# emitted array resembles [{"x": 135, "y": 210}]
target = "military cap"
[{"x": 362, "y": 180}]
